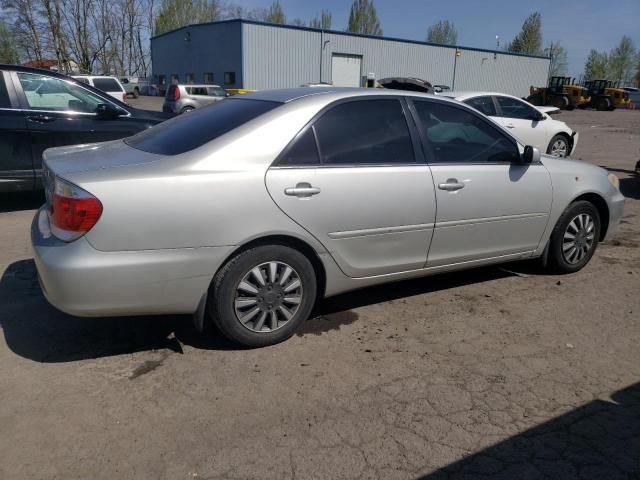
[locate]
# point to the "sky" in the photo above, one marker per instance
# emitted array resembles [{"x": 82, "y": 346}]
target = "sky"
[{"x": 579, "y": 25}]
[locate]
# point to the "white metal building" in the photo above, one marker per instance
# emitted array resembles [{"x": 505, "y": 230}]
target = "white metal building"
[{"x": 255, "y": 55}]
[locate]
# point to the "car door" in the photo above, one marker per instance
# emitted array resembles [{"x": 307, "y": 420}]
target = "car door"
[
  {"x": 16, "y": 169},
  {"x": 490, "y": 204},
  {"x": 523, "y": 121},
  {"x": 354, "y": 178},
  {"x": 59, "y": 112}
]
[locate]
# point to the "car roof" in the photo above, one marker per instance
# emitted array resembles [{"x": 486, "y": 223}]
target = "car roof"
[
  {"x": 462, "y": 95},
  {"x": 95, "y": 76},
  {"x": 290, "y": 94},
  {"x": 198, "y": 85}
]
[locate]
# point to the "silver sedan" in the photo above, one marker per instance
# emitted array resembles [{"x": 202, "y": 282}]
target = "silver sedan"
[{"x": 245, "y": 213}]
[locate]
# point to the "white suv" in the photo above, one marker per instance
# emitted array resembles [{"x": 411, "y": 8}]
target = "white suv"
[{"x": 110, "y": 85}]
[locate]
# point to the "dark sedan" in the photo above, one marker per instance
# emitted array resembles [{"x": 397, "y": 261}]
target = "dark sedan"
[{"x": 40, "y": 109}]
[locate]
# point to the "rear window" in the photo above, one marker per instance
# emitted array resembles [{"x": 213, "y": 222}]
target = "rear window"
[
  {"x": 186, "y": 132},
  {"x": 107, "y": 84}
]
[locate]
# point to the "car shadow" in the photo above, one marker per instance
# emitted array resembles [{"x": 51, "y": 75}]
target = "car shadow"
[
  {"x": 599, "y": 440},
  {"x": 18, "y": 201},
  {"x": 35, "y": 330},
  {"x": 630, "y": 185}
]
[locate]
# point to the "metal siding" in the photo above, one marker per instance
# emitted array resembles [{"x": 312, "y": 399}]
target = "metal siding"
[
  {"x": 213, "y": 48},
  {"x": 279, "y": 57},
  {"x": 476, "y": 70}
]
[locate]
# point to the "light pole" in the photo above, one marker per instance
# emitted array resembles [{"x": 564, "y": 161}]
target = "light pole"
[{"x": 455, "y": 63}]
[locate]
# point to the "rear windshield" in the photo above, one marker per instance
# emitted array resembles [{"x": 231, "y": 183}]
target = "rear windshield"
[
  {"x": 107, "y": 84},
  {"x": 194, "y": 129}
]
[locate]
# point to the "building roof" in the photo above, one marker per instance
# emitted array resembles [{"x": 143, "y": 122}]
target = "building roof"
[{"x": 350, "y": 34}]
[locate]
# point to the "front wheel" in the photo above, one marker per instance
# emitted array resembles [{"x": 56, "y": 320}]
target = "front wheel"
[
  {"x": 575, "y": 237},
  {"x": 261, "y": 296},
  {"x": 558, "y": 146},
  {"x": 186, "y": 110}
]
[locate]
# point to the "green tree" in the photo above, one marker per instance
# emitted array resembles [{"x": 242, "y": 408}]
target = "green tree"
[
  {"x": 275, "y": 14},
  {"x": 174, "y": 14},
  {"x": 529, "y": 40},
  {"x": 8, "y": 52},
  {"x": 596, "y": 66},
  {"x": 621, "y": 61},
  {"x": 559, "y": 62},
  {"x": 363, "y": 18},
  {"x": 443, "y": 32},
  {"x": 323, "y": 22}
]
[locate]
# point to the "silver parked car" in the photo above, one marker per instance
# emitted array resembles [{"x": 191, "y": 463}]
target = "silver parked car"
[
  {"x": 184, "y": 98},
  {"x": 247, "y": 212}
]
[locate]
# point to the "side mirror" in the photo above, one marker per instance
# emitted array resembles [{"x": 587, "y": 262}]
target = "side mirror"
[
  {"x": 106, "y": 111},
  {"x": 531, "y": 154},
  {"x": 538, "y": 116}
]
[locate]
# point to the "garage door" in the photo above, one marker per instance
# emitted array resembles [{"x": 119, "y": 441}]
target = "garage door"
[{"x": 345, "y": 70}]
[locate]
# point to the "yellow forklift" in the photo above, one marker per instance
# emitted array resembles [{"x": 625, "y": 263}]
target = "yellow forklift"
[
  {"x": 604, "y": 95},
  {"x": 560, "y": 92}
]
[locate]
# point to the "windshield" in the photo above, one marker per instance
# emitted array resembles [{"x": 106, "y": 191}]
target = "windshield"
[{"x": 192, "y": 130}]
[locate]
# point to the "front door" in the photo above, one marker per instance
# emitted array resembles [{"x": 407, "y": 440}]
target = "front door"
[
  {"x": 489, "y": 203},
  {"x": 366, "y": 195},
  {"x": 60, "y": 113},
  {"x": 522, "y": 120}
]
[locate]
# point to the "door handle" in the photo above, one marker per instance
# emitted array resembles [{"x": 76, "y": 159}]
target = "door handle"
[
  {"x": 451, "y": 185},
  {"x": 41, "y": 118},
  {"x": 302, "y": 190}
]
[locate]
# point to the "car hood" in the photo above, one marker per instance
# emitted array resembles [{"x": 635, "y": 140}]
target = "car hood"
[{"x": 94, "y": 156}]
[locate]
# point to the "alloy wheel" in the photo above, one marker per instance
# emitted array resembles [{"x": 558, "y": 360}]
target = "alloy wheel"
[
  {"x": 559, "y": 148},
  {"x": 578, "y": 238},
  {"x": 268, "y": 296}
]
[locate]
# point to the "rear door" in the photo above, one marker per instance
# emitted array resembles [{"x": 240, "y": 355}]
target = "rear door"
[
  {"x": 16, "y": 169},
  {"x": 357, "y": 182},
  {"x": 62, "y": 113}
]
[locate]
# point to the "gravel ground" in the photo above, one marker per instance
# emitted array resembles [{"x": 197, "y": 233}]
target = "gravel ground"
[{"x": 493, "y": 373}]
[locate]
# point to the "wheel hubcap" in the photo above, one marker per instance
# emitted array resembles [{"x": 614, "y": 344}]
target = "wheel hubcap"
[
  {"x": 578, "y": 238},
  {"x": 268, "y": 296},
  {"x": 559, "y": 148}
]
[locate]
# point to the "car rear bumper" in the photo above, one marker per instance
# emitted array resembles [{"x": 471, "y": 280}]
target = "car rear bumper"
[{"x": 80, "y": 280}]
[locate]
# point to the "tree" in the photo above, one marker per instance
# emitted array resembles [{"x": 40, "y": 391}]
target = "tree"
[
  {"x": 443, "y": 32},
  {"x": 174, "y": 14},
  {"x": 8, "y": 52},
  {"x": 559, "y": 62},
  {"x": 621, "y": 61},
  {"x": 529, "y": 40},
  {"x": 363, "y": 18},
  {"x": 323, "y": 22},
  {"x": 275, "y": 14},
  {"x": 596, "y": 66}
]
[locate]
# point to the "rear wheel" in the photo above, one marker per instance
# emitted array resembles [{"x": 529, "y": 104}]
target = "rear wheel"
[
  {"x": 186, "y": 110},
  {"x": 261, "y": 296},
  {"x": 561, "y": 102},
  {"x": 558, "y": 146},
  {"x": 575, "y": 237},
  {"x": 603, "y": 103}
]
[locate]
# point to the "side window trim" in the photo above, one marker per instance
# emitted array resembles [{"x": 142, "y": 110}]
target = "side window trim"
[
  {"x": 427, "y": 144},
  {"x": 418, "y": 153}
]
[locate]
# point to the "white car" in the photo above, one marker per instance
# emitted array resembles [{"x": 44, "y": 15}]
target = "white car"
[
  {"x": 110, "y": 85},
  {"x": 532, "y": 125}
]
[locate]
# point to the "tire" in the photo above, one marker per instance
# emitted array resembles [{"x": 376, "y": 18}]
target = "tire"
[
  {"x": 562, "y": 258},
  {"x": 136, "y": 92},
  {"x": 186, "y": 109},
  {"x": 603, "y": 103},
  {"x": 559, "y": 146},
  {"x": 561, "y": 102},
  {"x": 275, "y": 313}
]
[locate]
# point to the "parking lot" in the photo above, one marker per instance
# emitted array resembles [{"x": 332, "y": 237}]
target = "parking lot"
[{"x": 502, "y": 372}]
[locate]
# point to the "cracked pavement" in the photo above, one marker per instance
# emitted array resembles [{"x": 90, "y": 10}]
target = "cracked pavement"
[{"x": 501, "y": 372}]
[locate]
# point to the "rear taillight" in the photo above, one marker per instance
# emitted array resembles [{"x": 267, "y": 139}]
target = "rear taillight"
[
  {"x": 73, "y": 211},
  {"x": 174, "y": 93}
]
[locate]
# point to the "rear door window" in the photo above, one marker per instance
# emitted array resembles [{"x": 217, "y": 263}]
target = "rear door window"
[
  {"x": 186, "y": 132},
  {"x": 107, "y": 84},
  {"x": 365, "y": 132}
]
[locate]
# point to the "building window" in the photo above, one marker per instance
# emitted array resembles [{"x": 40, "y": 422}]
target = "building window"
[
  {"x": 190, "y": 77},
  {"x": 175, "y": 78},
  {"x": 208, "y": 77},
  {"x": 229, "y": 78}
]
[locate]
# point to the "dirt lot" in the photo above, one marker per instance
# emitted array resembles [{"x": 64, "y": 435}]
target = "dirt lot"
[{"x": 498, "y": 372}]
